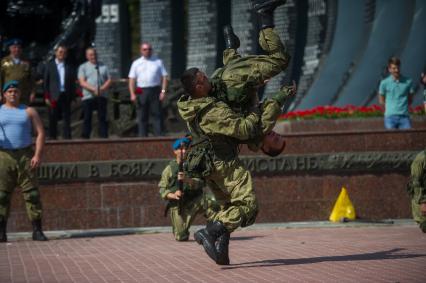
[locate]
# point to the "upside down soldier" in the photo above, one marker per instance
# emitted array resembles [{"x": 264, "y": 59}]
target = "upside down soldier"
[{"x": 218, "y": 129}]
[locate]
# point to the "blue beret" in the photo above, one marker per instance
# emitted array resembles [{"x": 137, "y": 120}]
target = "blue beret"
[
  {"x": 13, "y": 41},
  {"x": 185, "y": 141},
  {"x": 10, "y": 84}
]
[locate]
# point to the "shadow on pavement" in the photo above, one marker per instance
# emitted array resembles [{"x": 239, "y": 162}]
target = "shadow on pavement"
[
  {"x": 245, "y": 238},
  {"x": 356, "y": 257}
]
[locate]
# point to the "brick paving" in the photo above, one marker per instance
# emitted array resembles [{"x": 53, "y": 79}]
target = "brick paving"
[{"x": 352, "y": 254}]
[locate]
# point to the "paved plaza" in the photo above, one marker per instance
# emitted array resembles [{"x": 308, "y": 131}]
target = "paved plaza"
[{"x": 263, "y": 253}]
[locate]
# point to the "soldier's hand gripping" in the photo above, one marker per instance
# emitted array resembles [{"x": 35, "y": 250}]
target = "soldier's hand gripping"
[
  {"x": 178, "y": 194},
  {"x": 284, "y": 93},
  {"x": 174, "y": 196}
]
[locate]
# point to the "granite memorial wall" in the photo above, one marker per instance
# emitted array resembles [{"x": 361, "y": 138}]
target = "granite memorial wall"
[
  {"x": 112, "y": 39},
  {"x": 114, "y": 184}
]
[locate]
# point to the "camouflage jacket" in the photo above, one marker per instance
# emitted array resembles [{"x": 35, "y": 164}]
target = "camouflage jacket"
[
  {"x": 417, "y": 183},
  {"x": 168, "y": 183},
  {"x": 225, "y": 127}
]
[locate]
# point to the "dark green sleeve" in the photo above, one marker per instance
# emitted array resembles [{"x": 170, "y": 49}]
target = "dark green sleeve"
[{"x": 222, "y": 120}]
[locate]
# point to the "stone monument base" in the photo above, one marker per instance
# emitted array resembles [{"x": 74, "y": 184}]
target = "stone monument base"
[{"x": 88, "y": 184}]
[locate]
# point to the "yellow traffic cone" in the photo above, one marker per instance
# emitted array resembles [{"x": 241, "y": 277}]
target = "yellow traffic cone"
[{"x": 343, "y": 208}]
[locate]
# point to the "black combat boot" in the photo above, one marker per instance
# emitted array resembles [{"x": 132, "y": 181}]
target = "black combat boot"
[
  {"x": 3, "y": 224},
  {"x": 38, "y": 234},
  {"x": 266, "y": 9},
  {"x": 208, "y": 236},
  {"x": 231, "y": 39},
  {"x": 222, "y": 249}
]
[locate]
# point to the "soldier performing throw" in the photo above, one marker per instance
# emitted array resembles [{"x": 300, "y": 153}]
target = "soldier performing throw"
[{"x": 218, "y": 130}]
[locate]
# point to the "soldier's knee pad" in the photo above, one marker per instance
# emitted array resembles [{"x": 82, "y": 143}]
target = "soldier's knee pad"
[
  {"x": 32, "y": 196},
  {"x": 4, "y": 198}
]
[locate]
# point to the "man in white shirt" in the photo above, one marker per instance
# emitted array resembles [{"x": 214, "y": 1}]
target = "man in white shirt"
[{"x": 148, "y": 86}]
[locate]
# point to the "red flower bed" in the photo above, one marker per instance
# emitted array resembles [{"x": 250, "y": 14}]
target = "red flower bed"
[{"x": 349, "y": 111}]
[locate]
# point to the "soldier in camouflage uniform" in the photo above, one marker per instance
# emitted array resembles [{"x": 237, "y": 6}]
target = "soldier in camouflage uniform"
[
  {"x": 417, "y": 189},
  {"x": 194, "y": 200},
  {"x": 219, "y": 126},
  {"x": 13, "y": 67}
]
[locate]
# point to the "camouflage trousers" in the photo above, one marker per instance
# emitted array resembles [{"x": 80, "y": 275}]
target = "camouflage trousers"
[
  {"x": 415, "y": 209},
  {"x": 253, "y": 70},
  {"x": 203, "y": 204},
  {"x": 231, "y": 185},
  {"x": 15, "y": 172}
]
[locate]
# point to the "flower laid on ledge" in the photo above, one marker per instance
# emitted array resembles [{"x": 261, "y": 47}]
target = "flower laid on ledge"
[{"x": 349, "y": 111}]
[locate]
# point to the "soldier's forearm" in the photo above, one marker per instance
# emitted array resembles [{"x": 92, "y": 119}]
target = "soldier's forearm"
[
  {"x": 39, "y": 145},
  {"x": 270, "y": 113}
]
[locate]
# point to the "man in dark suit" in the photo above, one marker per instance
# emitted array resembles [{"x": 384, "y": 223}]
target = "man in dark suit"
[{"x": 59, "y": 88}]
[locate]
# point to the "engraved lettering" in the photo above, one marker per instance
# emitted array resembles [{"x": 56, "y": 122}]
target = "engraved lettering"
[
  {"x": 135, "y": 169},
  {"x": 281, "y": 162},
  {"x": 273, "y": 165},
  {"x": 55, "y": 172},
  {"x": 42, "y": 172},
  {"x": 300, "y": 163},
  {"x": 313, "y": 163},
  {"x": 148, "y": 167},
  {"x": 124, "y": 169},
  {"x": 250, "y": 164},
  {"x": 262, "y": 165},
  {"x": 93, "y": 171},
  {"x": 70, "y": 172},
  {"x": 114, "y": 170}
]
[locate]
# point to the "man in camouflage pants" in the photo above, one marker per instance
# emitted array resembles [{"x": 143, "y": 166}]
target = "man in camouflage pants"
[
  {"x": 246, "y": 74},
  {"x": 417, "y": 189},
  {"x": 218, "y": 129},
  {"x": 18, "y": 161}
]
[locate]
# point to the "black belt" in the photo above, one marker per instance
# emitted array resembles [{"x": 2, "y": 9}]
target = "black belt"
[
  {"x": 14, "y": 149},
  {"x": 149, "y": 87}
]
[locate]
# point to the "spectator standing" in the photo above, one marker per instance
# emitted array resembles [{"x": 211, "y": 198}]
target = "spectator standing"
[
  {"x": 148, "y": 86},
  {"x": 95, "y": 80},
  {"x": 18, "y": 161},
  {"x": 59, "y": 89},
  {"x": 395, "y": 93},
  {"x": 13, "y": 67}
]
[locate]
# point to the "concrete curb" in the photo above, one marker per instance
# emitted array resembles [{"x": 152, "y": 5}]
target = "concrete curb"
[{"x": 68, "y": 234}]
